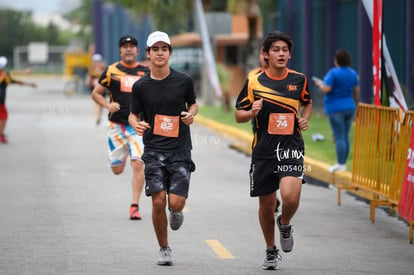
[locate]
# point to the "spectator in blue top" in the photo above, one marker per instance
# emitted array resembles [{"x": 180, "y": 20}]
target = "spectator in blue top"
[{"x": 341, "y": 88}]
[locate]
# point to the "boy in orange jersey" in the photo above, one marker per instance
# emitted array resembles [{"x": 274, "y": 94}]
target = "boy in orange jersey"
[{"x": 278, "y": 100}]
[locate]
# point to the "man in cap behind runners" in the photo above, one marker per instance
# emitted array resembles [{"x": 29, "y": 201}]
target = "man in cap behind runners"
[{"x": 118, "y": 78}]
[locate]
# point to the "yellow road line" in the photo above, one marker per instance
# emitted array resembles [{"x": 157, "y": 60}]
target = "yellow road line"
[{"x": 219, "y": 249}]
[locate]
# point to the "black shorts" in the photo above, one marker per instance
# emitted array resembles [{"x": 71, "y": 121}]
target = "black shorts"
[
  {"x": 265, "y": 174},
  {"x": 170, "y": 171}
]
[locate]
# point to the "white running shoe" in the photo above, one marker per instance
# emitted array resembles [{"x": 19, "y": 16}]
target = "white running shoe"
[
  {"x": 337, "y": 167},
  {"x": 272, "y": 256},
  {"x": 165, "y": 256}
]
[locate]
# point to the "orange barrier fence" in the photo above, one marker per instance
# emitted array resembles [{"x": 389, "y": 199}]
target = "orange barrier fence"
[{"x": 375, "y": 147}]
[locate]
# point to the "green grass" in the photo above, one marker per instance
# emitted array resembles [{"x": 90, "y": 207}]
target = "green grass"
[{"x": 320, "y": 150}]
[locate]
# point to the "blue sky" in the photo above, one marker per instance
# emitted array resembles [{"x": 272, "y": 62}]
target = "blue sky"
[{"x": 40, "y": 7}]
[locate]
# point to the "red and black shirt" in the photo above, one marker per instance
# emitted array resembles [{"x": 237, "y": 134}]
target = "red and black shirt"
[{"x": 119, "y": 79}]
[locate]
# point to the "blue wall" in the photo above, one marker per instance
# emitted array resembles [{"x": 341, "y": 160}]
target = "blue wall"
[{"x": 110, "y": 22}]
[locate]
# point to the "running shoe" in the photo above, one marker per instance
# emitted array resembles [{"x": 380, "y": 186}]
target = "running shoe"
[
  {"x": 337, "y": 167},
  {"x": 134, "y": 212},
  {"x": 176, "y": 219},
  {"x": 272, "y": 256},
  {"x": 165, "y": 256},
  {"x": 3, "y": 139},
  {"x": 286, "y": 235}
]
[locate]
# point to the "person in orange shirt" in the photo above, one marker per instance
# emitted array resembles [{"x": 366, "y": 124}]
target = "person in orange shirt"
[
  {"x": 279, "y": 102},
  {"x": 123, "y": 141}
]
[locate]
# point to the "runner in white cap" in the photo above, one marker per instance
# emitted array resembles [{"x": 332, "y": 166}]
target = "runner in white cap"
[{"x": 162, "y": 108}]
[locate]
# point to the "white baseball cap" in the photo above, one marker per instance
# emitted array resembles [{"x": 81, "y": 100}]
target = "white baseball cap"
[
  {"x": 158, "y": 37},
  {"x": 3, "y": 62},
  {"x": 97, "y": 57}
]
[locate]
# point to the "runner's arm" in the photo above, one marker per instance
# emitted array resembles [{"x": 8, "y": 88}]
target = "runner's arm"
[
  {"x": 24, "y": 83},
  {"x": 242, "y": 115},
  {"x": 188, "y": 117},
  {"x": 306, "y": 111},
  {"x": 193, "y": 109},
  {"x": 98, "y": 96},
  {"x": 137, "y": 124}
]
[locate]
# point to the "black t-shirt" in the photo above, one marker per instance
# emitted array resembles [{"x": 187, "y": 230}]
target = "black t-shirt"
[
  {"x": 119, "y": 79},
  {"x": 167, "y": 97},
  {"x": 5, "y": 80},
  {"x": 281, "y": 98}
]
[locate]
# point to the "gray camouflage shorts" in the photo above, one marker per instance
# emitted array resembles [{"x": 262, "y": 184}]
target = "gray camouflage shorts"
[{"x": 170, "y": 171}]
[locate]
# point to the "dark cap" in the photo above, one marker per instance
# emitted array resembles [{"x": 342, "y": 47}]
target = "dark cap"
[{"x": 127, "y": 39}]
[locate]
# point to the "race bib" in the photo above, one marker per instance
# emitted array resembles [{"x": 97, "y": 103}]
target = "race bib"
[
  {"x": 127, "y": 81},
  {"x": 167, "y": 126},
  {"x": 281, "y": 123}
]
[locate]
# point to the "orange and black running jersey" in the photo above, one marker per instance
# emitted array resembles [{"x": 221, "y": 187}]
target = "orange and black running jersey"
[
  {"x": 5, "y": 80},
  {"x": 118, "y": 79},
  {"x": 275, "y": 128},
  {"x": 255, "y": 71}
]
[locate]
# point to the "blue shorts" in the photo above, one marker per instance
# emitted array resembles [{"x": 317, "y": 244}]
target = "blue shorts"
[{"x": 170, "y": 171}]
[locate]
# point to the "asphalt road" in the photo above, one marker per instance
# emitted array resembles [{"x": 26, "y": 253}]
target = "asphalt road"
[{"x": 63, "y": 212}]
